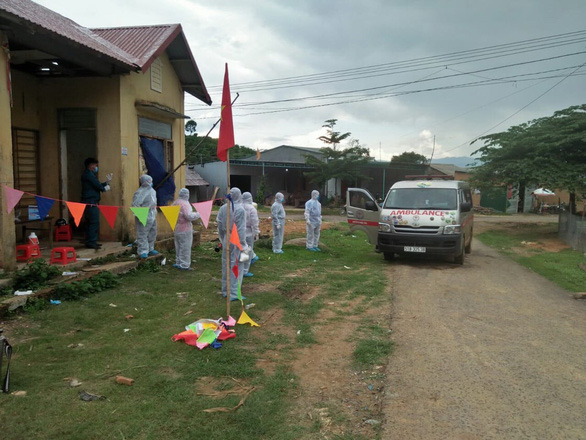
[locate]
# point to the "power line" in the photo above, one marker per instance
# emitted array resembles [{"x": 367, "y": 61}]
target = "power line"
[
  {"x": 508, "y": 49},
  {"x": 521, "y": 109}
]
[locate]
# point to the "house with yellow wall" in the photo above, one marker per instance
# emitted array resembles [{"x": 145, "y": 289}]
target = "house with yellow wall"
[{"x": 69, "y": 92}]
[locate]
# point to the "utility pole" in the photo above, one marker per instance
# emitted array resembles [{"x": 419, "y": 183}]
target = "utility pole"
[{"x": 432, "y": 150}]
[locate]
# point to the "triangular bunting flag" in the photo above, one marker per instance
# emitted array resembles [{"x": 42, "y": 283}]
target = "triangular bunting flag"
[
  {"x": 110, "y": 213},
  {"x": 76, "y": 210},
  {"x": 141, "y": 213},
  {"x": 240, "y": 291},
  {"x": 245, "y": 319},
  {"x": 235, "y": 238},
  {"x": 205, "y": 210},
  {"x": 207, "y": 337},
  {"x": 13, "y": 196},
  {"x": 235, "y": 270},
  {"x": 44, "y": 204},
  {"x": 257, "y": 154},
  {"x": 171, "y": 214}
]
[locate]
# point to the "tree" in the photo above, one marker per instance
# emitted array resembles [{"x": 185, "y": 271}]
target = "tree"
[
  {"x": 191, "y": 127},
  {"x": 206, "y": 151},
  {"x": 338, "y": 164},
  {"x": 334, "y": 137},
  {"x": 549, "y": 151},
  {"x": 409, "y": 157}
]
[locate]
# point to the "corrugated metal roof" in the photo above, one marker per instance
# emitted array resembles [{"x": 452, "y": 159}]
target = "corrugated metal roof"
[
  {"x": 39, "y": 16},
  {"x": 147, "y": 43},
  {"x": 192, "y": 178}
]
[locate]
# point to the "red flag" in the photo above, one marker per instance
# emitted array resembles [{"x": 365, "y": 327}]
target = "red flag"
[{"x": 226, "y": 139}]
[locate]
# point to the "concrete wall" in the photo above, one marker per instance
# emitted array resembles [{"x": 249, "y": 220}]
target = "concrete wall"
[
  {"x": 37, "y": 105},
  {"x": 137, "y": 86},
  {"x": 7, "y": 234},
  {"x": 572, "y": 230}
]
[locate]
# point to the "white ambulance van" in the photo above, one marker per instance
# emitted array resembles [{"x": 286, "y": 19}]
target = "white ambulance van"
[{"x": 417, "y": 217}]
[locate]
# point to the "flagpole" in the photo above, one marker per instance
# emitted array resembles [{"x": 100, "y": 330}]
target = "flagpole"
[{"x": 228, "y": 228}]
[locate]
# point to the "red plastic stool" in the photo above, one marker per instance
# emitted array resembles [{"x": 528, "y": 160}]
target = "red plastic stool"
[
  {"x": 63, "y": 255},
  {"x": 25, "y": 252},
  {"x": 63, "y": 233}
]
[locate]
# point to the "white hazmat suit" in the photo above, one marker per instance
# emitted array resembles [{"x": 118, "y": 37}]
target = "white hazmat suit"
[
  {"x": 237, "y": 220},
  {"x": 313, "y": 220},
  {"x": 278, "y": 215},
  {"x": 252, "y": 229},
  {"x": 184, "y": 230},
  {"x": 146, "y": 197}
]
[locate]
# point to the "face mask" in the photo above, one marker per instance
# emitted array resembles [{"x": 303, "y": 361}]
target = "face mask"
[{"x": 96, "y": 169}]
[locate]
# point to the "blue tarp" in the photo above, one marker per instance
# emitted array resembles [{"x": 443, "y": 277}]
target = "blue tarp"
[{"x": 154, "y": 157}]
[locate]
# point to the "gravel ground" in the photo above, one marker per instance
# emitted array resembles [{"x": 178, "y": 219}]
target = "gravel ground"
[{"x": 488, "y": 350}]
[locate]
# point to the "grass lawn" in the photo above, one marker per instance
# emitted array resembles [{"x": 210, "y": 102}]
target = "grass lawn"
[
  {"x": 536, "y": 246},
  {"x": 92, "y": 341}
]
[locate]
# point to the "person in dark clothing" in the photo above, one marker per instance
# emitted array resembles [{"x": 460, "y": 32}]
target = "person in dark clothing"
[{"x": 91, "y": 189}]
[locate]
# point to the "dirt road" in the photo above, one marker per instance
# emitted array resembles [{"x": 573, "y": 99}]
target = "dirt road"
[{"x": 488, "y": 350}]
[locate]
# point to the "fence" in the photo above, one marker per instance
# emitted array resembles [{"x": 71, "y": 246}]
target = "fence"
[{"x": 572, "y": 230}]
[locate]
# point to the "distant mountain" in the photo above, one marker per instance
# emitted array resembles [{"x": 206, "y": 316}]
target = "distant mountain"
[{"x": 460, "y": 161}]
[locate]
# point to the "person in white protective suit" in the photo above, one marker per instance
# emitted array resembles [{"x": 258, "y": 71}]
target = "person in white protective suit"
[
  {"x": 146, "y": 197},
  {"x": 313, "y": 219},
  {"x": 278, "y": 215},
  {"x": 184, "y": 230},
  {"x": 252, "y": 230},
  {"x": 238, "y": 221}
]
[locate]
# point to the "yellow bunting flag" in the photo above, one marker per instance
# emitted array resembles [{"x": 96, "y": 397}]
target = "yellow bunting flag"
[
  {"x": 245, "y": 319},
  {"x": 171, "y": 214},
  {"x": 141, "y": 214},
  {"x": 76, "y": 210}
]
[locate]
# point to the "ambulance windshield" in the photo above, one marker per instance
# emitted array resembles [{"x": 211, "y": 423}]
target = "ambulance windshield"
[{"x": 422, "y": 198}]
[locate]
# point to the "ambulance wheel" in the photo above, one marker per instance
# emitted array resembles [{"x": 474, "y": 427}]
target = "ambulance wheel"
[
  {"x": 459, "y": 259},
  {"x": 389, "y": 256}
]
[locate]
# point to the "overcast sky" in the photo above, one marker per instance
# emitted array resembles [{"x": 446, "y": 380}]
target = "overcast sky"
[{"x": 388, "y": 68}]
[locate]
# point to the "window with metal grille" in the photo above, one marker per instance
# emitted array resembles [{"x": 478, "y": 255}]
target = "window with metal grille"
[
  {"x": 25, "y": 153},
  {"x": 157, "y": 76}
]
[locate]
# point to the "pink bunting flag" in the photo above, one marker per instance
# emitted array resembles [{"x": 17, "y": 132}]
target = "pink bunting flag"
[
  {"x": 110, "y": 212},
  {"x": 13, "y": 196},
  {"x": 76, "y": 210},
  {"x": 205, "y": 210}
]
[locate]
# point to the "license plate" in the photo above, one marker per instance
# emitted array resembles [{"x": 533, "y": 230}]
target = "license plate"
[{"x": 414, "y": 249}]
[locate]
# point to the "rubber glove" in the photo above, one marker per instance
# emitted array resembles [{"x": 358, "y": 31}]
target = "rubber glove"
[
  {"x": 107, "y": 188},
  {"x": 278, "y": 226},
  {"x": 109, "y": 177}
]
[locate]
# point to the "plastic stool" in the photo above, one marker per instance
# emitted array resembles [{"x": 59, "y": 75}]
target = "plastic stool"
[
  {"x": 63, "y": 255},
  {"x": 25, "y": 252},
  {"x": 63, "y": 233}
]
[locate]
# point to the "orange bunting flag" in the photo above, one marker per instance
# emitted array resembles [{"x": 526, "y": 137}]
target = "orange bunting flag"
[
  {"x": 110, "y": 213},
  {"x": 171, "y": 214},
  {"x": 245, "y": 319},
  {"x": 226, "y": 138},
  {"x": 235, "y": 238},
  {"x": 76, "y": 210},
  {"x": 257, "y": 154}
]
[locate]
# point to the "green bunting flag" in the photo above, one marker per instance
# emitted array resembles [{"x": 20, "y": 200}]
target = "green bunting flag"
[{"x": 141, "y": 214}]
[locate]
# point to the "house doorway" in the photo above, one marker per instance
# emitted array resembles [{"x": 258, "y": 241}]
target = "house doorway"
[{"x": 77, "y": 140}]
